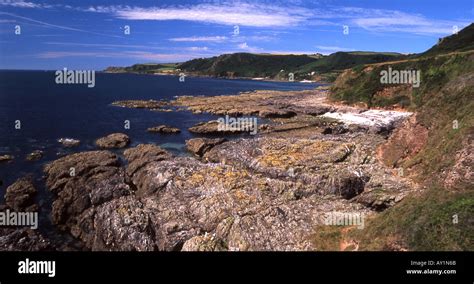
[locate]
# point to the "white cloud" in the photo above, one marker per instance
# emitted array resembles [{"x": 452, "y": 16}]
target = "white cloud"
[
  {"x": 332, "y": 48},
  {"x": 199, "y": 38},
  {"x": 243, "y": 45},
  {"x": 234, "y": 39},
  {"x": 141, "y": 55},
  {"x": 379, "y": 20},
  {"x": 252, "y": 38},
  {"x": 288, "y": 15},
  {"x": 291, "y": 52},
  {"x": 196, "y": 48},
  {"x": 20, "y": 4},
  {"x": 264, "y": 15},
  {"x": 239, "y": 13}
]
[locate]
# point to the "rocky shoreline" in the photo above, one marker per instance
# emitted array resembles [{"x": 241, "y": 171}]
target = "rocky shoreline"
[{"x": 265, "y": 192}]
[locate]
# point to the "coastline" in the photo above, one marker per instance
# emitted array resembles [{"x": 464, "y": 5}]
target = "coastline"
[
  {"x": 298, "y": 162},
  {"x": 193, "y": 75}
]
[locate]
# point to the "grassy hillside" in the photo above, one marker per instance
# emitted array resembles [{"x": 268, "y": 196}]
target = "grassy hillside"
[
  {"x": 462, "y": 41},
  {"x": 363, "y": 84},
  {"x": 446, "y": 94},
  {"x": 269, "y": 66},
  {"x": 423, "y": 223},
  {"x": 150, "y": 68},
  {"x": 247, "y": 65},
  {"x": 342, "y": 60}
]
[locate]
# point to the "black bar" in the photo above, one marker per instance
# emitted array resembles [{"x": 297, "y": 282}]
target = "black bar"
[{"x": 103, "y": 266}]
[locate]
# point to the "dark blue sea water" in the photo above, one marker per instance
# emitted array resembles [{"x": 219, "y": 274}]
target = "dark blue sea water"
[{"x": 49, "y": 111}]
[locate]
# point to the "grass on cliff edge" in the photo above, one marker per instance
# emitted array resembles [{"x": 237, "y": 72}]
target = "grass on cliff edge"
[
  {"x": 423, "y": 223},
  {"x": 362, "y": 83}
]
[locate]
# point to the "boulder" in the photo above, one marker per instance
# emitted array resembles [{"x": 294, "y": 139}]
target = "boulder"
[
  {"x": 80, "y": 182},
  {"x": 276, "y": 113},
  {"x": 377, "y": 200},
  {"x": 199, "y": 146},
  {"x": 122, "y": 224},
  {"x": 35, "y": 155},
  {"x": 212, "y": 127},
  {"x": 20, "y": 195},
  {"x": 6, "y": 158},
  {"x": 205, "y": 242},
  {"x": 346, "y": 184},
  {"x": 143, "y": 154},
  {"x": 209, "y": 127},
  {"x": 335, "y": 130},
  {"x": 164, "y": 129},
  {"x": 69, "y": 142},
  {"x": 113, "y": 141},
  {"x": 148, "y": 104},
  {"x": 23, "y": 239}
]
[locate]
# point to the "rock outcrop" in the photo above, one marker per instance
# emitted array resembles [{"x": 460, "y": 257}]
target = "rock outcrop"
[
  {"x": 149, "y": 104},
  {"x": 113, "y": 141},
  {"x": 267, "y": 104},
  {"x": 404, "y": 143},
  {"x": 138, "y": 157},
  {"x": 69, "y": 142},
  {"x": 23, "y": 239},
  {"x": 186, "y": 199},
  {"x": 266, "y": 193},
  {"x": 212, "y": 128},
  {"x": 20, "y": 195},
  {"x": 199, "y": 146},
  {"x": 6, "y": 158},
  {"x": 461, "y": 173},
  {"x": 35, "y": 155},
  {"x": 81, "y": 183},
  {"x": 164, "y": 129}
]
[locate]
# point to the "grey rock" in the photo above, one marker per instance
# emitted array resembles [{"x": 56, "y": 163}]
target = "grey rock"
[
  {"x": 23, "y": 239},
  {"x": 164, "y": 129},
  {"x": 69, "y": 142},
  {"x": 20, "y": 195},
  {"x": 35, "y": 155},
  {"x": 81, "y": 182},
  {"x": 6, "y": 158},
  {"x": 199, "y": 146},
  {"x": 113, "y": 141}
]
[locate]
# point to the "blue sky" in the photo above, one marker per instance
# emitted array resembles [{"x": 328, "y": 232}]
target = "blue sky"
[{"x": 89, "y": 34}]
